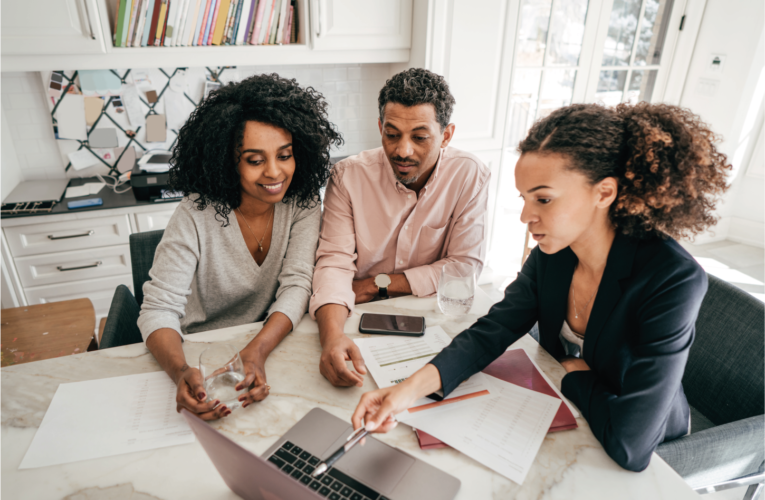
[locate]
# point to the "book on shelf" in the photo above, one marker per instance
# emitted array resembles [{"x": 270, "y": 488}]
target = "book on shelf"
[{"x": 186, "y": 23}]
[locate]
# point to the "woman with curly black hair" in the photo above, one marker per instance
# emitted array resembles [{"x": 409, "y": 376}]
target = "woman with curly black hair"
[
  {"x": 240, "y": 247},
  {"x": 615, "y": 297}
]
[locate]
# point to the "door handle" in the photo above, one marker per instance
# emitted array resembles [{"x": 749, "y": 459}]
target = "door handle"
[
  {"x": 89, "y": 233},
  {"x": 98, "y": 263},
  {"x": 87, "y": 14}
]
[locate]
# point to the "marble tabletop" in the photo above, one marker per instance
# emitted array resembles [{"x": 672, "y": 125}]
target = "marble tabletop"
[{"x": 570, "y": 464}]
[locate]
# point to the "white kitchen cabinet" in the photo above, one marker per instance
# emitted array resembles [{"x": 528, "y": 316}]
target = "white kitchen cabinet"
[
  {"x": 361, "y": 24},
  {"x": 73, "y": 255},
  {"x": 50, "y": 27}
]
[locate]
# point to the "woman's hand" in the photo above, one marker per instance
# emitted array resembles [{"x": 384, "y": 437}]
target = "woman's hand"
[
  {"x": 379, "y": 408},
  {"x": 254, "y": 376},
  {"x": 574, "y": 365},
  {"x": 191, "y": 395}
]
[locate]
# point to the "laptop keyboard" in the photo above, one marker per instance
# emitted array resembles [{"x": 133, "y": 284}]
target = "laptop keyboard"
[{"x": 333, "y": 484}]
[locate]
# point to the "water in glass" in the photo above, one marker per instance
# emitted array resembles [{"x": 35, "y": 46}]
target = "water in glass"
[
  {"x": 222, "y": 370},
  {"x": 456, "y": 289}
]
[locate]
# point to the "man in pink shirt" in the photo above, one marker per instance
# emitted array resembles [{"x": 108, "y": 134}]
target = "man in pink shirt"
[{"x": 393, "y": 216}]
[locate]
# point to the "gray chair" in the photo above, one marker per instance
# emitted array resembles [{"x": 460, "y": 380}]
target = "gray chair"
[
  {"x": 121, "y": 324},
  {"x": 724, "y": 384}
]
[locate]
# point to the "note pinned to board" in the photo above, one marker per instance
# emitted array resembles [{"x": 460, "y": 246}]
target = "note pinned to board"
[
  {"x": 82, "y": 159},
  {"x": 132, "y": 102},
  {"x": 103, "y": 138},
  {"x": 107, "y": 417},
  {"x": 93, "y": 107},
  {"x": 99, "y": 82},
  {"x": 156, "y": 130},
  {"x": 70, "y": 118}
]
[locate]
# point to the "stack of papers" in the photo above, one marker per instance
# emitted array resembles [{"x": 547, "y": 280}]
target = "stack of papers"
[{"x": 498, "y": 424}]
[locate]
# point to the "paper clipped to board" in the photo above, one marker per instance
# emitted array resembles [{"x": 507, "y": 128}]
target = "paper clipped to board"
[{"x": 107, "y": 417}]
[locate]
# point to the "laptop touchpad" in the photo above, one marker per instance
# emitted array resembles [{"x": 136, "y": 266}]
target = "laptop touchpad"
[{"x": 375, "y": 464}]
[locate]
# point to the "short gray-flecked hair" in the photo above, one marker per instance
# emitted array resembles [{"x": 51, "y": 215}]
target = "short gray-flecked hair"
[{"x": 418, "y": 86}]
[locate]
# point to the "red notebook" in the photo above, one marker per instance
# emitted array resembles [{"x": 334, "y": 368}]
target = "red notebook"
[{"x": 516, "y": 368}]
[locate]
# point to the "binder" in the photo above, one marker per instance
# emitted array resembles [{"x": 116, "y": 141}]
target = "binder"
[{"x": 515, "y": 367}]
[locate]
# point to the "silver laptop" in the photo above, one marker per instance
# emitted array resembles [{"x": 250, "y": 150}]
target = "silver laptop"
[{"x": 374, "y": 471}]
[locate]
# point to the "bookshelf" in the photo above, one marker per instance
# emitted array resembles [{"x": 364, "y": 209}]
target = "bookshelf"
[{"x": 364, "y": 44}]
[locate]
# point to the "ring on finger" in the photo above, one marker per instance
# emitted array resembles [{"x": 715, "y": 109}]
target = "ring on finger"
[{"x": 268, "y": 387}]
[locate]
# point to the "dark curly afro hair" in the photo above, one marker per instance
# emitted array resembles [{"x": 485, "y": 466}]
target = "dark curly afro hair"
[
  {"x": 418, "y": 86},
  {"x": 669, "y": 172},
  {"x": 205, "y": 159}
]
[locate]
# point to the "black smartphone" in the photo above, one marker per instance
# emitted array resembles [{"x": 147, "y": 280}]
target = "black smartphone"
[{"x": 389, "y": 324}]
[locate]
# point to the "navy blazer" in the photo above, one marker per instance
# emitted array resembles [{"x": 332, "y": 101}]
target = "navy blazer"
[{"x": 636, "y": 344}]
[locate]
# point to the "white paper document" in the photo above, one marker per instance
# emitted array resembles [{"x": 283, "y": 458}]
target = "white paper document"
[
  {"x": 70, "y": 118},
  {"x": 392, "y": 359},
  {"x": 84, "y": 190},
  {"x": 503, "y": 431},
  {"x": 107, "y": 417}
]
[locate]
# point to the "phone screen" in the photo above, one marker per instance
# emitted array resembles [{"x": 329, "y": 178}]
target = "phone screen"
[{"x": 393, "y": 323}]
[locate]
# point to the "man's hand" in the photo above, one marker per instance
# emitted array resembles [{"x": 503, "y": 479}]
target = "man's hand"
[
  {"x": 575, "y": 365},
  {"x": 365, "y": 290},
  {"x": 335, "y": 352}
]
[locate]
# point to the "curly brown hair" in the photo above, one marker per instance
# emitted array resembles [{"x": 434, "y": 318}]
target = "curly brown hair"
[
  {"x": 664, "y": 158},
  {"x": 418, "y": 86},
  {"x": 205, "y": 159}
]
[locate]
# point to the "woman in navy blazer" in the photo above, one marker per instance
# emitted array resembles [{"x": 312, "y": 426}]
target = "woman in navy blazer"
[{"x": 616, "y": 298}]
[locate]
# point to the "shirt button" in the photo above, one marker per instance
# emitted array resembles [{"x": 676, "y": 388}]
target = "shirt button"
[
  {"x": 401, "y": 262},
  {"x": 406, "y": 227},
  {"x": 409, "y": 196}
]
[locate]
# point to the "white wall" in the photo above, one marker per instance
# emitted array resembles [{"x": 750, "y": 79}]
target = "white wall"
[
  {"x": 730, "y": 101},
  {"x": 11, "y": 172}
]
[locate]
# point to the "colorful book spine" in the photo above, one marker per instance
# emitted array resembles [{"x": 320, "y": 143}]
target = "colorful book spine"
[
  {"x": 208, "y": 22},
  {"x": 116, "y": 23},
  {"x": 271, "y": 20},
  {"x": 203, "y": 8},
  {"x": 282, "y": 21},
  {"x": 172, "y": 9},
  {"x": 121, "y": 21},
  {"x": 251, "y": 27},
  {"x": 131, "y": 25},
  {"x": 161, "y": 40},
  {"x": 244, "y": 23},
  {"x": 295, "y": 23},
  {"x": 255, "y": 40},
  {"x": 194, "y": 26},
  {"x": 220, "y": 21},
  {"x": 288, "y": 27},
  {"x": 201, "y": 34},
  {"x": 234, "y": 22},
  {"x": 182, "y": 18},
  {"x": 161, "y": 23},
  {"x": 239, "y": 21},
  {"x": 141, "y": 23},
  {"x": 229, "y": 21},
  {"x": 154, "y": 22},
  {"x": 147, "y": 23},
  {"x": 191, "y": 20}
]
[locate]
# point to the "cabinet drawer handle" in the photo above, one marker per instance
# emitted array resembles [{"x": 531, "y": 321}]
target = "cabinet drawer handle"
[
  {"x": 98, "y": 263},
  {"x": 89, "y": 233}
]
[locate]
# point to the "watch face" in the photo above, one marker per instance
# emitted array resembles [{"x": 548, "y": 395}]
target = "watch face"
[{"x": 382, "y": 280}]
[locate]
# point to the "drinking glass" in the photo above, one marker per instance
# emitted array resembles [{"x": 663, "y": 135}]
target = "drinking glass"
[
  {"x": 456, "y": 289},
  {"x": 222, "y": 370}
]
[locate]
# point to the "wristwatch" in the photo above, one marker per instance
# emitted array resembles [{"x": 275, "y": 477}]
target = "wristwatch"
[{"x": 382, "y": 281}]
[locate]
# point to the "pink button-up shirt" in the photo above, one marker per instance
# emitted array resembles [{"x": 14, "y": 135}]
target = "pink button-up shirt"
[{"x": 373, "y": 224}]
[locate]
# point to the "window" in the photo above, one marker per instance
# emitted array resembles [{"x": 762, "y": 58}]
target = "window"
[{"x": 568, "y": 51}]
